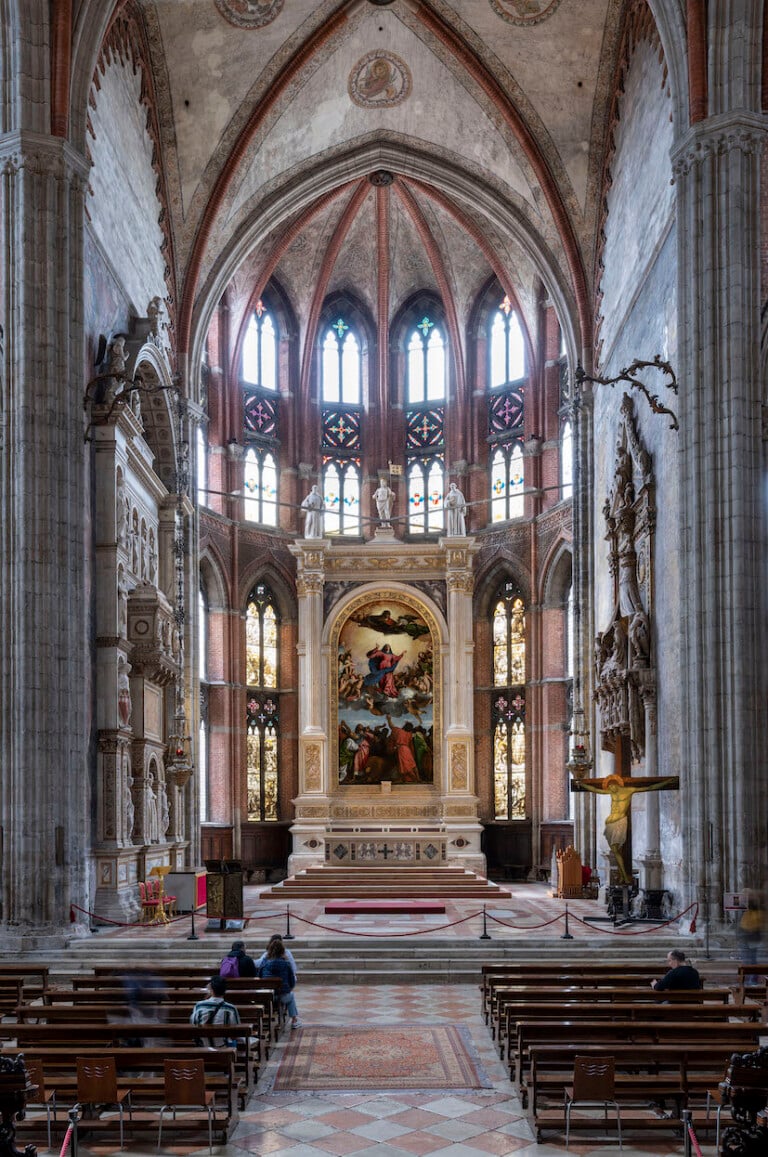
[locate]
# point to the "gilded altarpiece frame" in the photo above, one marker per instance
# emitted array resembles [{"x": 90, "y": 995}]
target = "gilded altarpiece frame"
[{"x": 389, "y": 657}]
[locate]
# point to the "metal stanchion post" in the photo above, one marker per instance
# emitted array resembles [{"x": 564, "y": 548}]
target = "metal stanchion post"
[
  {"x": 566, "y": 935},
  {"x": 686, "y": 1135},
  {"x": 287, "y": 935},
  {"x": 74, "y": 1117},
  {"x": 192, "y": 935},
  {"x": 485, "y": 935}
]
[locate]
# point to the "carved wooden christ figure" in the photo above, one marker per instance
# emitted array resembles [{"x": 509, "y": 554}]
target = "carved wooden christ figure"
[{"x": 621, "y": 789}]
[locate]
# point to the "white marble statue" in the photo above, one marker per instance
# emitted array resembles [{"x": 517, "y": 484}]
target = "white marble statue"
[
  {"x": 313, "y": 506},
  {"x": 455, "y": 512},
  {"x": 384, "y": 498}
]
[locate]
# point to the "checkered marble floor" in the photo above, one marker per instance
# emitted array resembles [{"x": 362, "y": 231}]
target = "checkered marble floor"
[{"x": 395, "y": 1124}]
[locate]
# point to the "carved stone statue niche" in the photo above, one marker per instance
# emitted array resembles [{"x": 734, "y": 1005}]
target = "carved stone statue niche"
[{"x": 625, "y": 678}]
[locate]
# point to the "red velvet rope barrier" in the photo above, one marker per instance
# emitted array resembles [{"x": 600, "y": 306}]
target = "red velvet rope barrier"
[
  {"x": 525, "y": 927},
  {"x": 642, "y": 931},
  {"x": 694, "y": 1141},
  {"x": 162, "y": 924},
  {"x": 66, "y": 1141},
  {"x": 416, "y": 931},
  {"x": 387, "y": 935}
]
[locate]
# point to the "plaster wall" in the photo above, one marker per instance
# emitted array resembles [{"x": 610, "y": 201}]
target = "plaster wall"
[
  {"x": 641, "y": 197},
  {"x": 123, "y": 206}
]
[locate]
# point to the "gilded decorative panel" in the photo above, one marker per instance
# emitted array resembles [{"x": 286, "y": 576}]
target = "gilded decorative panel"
[
  {"x": 459, "y": 775},
  {"x": 312, "y": 767}
]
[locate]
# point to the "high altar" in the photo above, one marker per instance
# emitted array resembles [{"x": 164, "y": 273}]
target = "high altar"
[{"x": 386, "y": 765}]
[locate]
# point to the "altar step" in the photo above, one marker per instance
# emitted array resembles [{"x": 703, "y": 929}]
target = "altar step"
[{"x": 325, "y": 882}]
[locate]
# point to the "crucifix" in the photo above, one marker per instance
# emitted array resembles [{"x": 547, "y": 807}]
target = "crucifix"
[{"x": 621, "y": 789}]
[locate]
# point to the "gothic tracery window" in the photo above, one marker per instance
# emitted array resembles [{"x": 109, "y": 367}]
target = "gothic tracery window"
[
  {"x": 260, "y": 418},
  {"x": 425, "y": 392},
  {"x": 506, "y": 412},
  {"x": 341, "y": 379},
  {"x": 508, "y": 705},
  {"x": 261, "y": 660}
]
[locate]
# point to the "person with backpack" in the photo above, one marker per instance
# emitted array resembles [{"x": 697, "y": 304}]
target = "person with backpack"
[
  {"x": 237, "y": 962},
  {"x": 215, "y": 1009},
  {"x": 276, "y": 964}
]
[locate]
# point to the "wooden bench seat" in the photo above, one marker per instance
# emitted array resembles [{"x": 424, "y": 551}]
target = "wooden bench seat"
[
  {"x": 141, "y": 1072},
  {"x": 638, "y": 1013},
  {"x": 695, "y": 1067},
  {"x": 108, "y": 1037},
  {"x": 500, "y": 976},
  {"x": 737, "y": 1036},
  {"x": 256, "y": 1003},
  {"x": 504, "y": 998}
]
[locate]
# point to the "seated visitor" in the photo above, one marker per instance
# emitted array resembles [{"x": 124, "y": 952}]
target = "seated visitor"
[
  {"x": 288, "y": 955},
  {"x": 214, "y": 1009},
  {"x": 277, "y": 964},
  {"x": 680, "y": 975},
  {"x": 237, "y": 962}
]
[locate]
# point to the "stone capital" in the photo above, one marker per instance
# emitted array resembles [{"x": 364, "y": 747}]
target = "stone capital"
[
  {"x": 43, "y": 155},
  {"x": 716, "y": 136}
]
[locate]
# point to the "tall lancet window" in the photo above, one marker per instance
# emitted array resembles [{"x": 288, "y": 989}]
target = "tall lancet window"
[
  {"x": 261, "y": 676},
  {"x": 341, "y": 378},
  {"x": 425, "y": 392},
  {"x": 260, "y": 418},
  {"x": 508, "y": 705},
  {"x": 202, "y": 745},
  {"x": 506, "y": 412}
]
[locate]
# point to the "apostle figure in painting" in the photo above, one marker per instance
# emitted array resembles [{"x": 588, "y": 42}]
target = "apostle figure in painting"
[
  {"x": 402, "y": 739},
  {"x": 381, "y": 668},
  {"x": 385, "y": 500},
  {"x": 313, "y": 507},
  {"x": 455, "y": 512}
]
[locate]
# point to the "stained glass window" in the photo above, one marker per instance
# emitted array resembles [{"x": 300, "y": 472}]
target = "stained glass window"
[
  {"x": 260, "y": 487},
  {"x": 566, "y": 460},
  {"x": 202, "y": 469},
  {"x": 426, "y": 484},
  {"x": 259, "y": 415},
  {"x": 426, "y": 366},
  {"x": 259, "y": 363},
  {"x": 261, "y": 658},
  {"x": 507, "y": 347},
  {"x": 341, "y": 365},
  {"x": 341, "y": 495},
  {"x": 507, "y": 482},
  {"x": 341, "y": 429},
  {"x": 508, "y": 705}
]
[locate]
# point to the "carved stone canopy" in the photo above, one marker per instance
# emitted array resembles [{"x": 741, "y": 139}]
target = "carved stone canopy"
[
  {"x": 155, "y": 635},
  {"x": 625, "y": 677}
]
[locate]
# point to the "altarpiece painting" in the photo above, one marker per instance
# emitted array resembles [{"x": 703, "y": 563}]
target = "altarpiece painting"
[{"x": 385, "y": 695}]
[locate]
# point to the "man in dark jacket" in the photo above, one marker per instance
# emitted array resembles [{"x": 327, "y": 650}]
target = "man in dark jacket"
[
  {"x": 245, "y": 963},
  {"x": 680, "y": 975}
]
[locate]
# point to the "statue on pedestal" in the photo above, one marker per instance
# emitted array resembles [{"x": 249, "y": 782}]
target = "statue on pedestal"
[
  {"x": 313, "y": 506},
  {"x": 384, "y": 498},
  {"x": 455, "y": 512}
]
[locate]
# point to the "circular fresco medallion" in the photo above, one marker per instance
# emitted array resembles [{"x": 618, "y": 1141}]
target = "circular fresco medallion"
[
  {"x": 524, "y": 11},
  {"x": 249, "y": 13},
  {"x": 380, "y": 80}
]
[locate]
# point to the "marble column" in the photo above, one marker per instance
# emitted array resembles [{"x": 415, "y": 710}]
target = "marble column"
[
  {"x": 724, "y": 789},
  {"x": 45, "y": 693},
  {"x": 459, "y": 799}
]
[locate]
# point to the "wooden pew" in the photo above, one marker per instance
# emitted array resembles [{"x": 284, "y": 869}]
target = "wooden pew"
[
  {"x": 27, "y": 972},
  {"x": 606, "y": 1033},
  {"x": 698, "y": 1066},
  {"x": 100, "y": 1035},
  {"x": 506, "y": 998},
  {"x": 141, "y": 1071},
  {"x": 252, "y": 1003},
  {"x": 636, "y": 1012},
  {"x": 757, "y": 991},
  {"x": 495, "y": 976}
]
